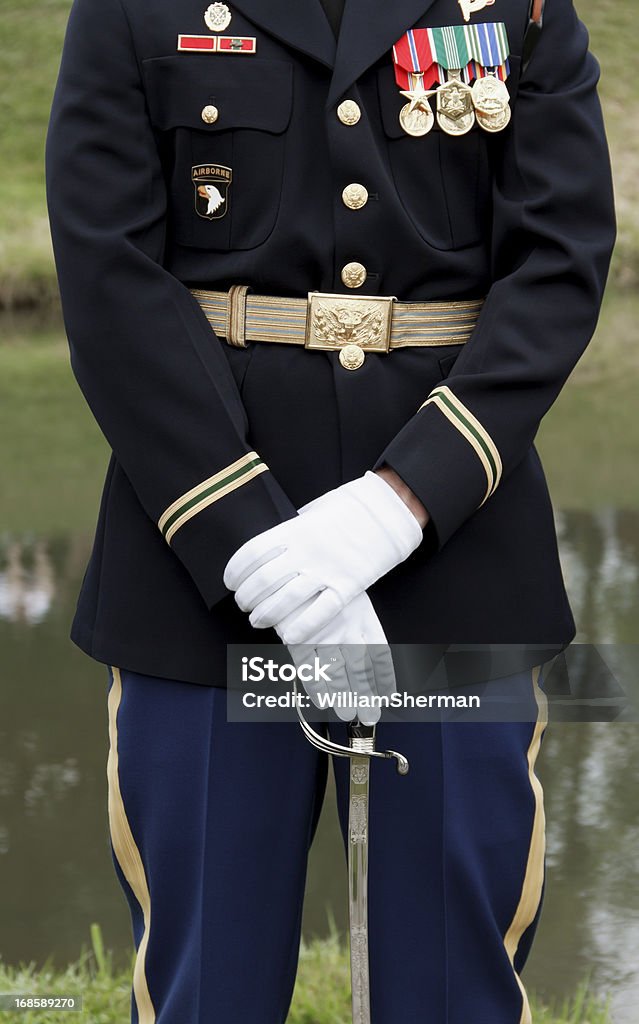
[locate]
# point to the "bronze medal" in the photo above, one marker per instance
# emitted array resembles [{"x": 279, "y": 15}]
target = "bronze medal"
[
  {"x": 494, "y": 122},
  {"x": 490, "y": 94},
  {"x": 417, "y": 121},
  {"x": 455, "y": 110},
  {"x": 416, "y": 117}
]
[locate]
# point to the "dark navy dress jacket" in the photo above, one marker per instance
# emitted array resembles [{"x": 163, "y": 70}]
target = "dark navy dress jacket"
[{"x": 522, "y": 218}]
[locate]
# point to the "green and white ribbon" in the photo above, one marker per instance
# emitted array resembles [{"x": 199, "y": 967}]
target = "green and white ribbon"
[{"x": 454, "y": 46}]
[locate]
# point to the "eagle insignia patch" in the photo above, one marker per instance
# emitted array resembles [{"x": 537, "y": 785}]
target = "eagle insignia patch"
[{"x": 211, "y": 182}]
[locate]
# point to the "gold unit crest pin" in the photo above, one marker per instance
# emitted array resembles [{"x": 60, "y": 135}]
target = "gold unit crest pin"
[{"x": 217, "y": 18}]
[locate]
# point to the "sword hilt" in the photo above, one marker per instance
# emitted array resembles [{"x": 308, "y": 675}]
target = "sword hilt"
[{"x": 361, "y": 742}]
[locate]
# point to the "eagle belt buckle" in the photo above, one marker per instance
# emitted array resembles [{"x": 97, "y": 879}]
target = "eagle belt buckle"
[{"x": 354, "y": 324}]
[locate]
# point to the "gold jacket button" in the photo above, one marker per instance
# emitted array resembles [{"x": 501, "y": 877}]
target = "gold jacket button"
[
  {"x": 351, "y": 357},
  {"x": 355, "y": 196},
  {"x": 353, "y": 275},
  {"x": 210, "y": 114},
  {"x": 349, "y": 112}
]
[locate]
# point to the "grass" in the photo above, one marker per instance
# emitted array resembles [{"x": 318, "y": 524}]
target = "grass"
[
  {"x": 27, "y": 76},
  {"x": 54, "y": 458},
  {"x": 322, "y": 993}
]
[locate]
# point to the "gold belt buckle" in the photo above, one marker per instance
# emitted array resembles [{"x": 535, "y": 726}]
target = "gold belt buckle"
[{"x": 354, "y": 324}]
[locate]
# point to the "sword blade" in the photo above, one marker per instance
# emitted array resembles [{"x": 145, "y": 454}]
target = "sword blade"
[{"x": 358, "y": 887}]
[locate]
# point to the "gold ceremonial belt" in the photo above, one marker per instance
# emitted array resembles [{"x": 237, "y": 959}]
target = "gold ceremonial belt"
[{"x": 352, "y": 324}]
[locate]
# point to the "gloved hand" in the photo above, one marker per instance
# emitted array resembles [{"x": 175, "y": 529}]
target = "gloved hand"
[
  {"x": 355, "y": 646},
  {"x": 298, "y": 575}
]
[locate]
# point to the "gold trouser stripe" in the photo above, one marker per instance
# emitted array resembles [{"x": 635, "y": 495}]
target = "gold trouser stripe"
[
  {"x": 128, "y": 854},
  {"x": 534, "y": 876},
  {"x": 283, "y": 319}
]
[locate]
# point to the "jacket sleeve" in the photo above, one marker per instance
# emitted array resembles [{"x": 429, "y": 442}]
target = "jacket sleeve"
[
  {"x": 552, "y": 238},
  {"x": 149, "y": 365}
]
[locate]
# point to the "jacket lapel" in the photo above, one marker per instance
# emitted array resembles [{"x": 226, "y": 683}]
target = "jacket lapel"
[
  {"x": 368, "y": 29},
  {"x": 299, "y": 23}
]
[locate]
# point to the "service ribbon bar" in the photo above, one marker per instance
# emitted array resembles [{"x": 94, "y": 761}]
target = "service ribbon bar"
[
  {"x": 217, "y": 44},
  {"x": 430, "y": 52},
  {"x": 205, "y": 44}
]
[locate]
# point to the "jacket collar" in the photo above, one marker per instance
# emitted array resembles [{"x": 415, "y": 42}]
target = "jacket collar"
[{"x": 368, "y": 29}]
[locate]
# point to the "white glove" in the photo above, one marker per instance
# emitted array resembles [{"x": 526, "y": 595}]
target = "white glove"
[
  {"x": 354, "y": 645},
  {"x": 298, "y": 575}
]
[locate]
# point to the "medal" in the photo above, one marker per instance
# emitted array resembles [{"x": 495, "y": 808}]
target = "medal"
[
  {"x": 493, "y": 122},
  {"x": 413, "y": 60},
  {"x": 491, "y": 100},
  {"x": 490, "y": 95},
  {"x": 416, "y": 117},
  {"x": 455, "y": 111},
  {"x": 418, "y": 121},
  {"x": 454, "y": 56},
  {"x": 418, "y": 96}
]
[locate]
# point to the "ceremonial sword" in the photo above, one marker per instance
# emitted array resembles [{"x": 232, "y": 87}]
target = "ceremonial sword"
[{"x": 360, "y": 750}]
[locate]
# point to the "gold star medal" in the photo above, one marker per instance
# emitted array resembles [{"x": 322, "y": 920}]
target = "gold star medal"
[
  {"x": 416, "y": 117},
  {"x": 413, "y": 60}
]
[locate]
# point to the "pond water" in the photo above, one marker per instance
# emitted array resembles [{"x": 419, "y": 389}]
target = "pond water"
[{"x": 56, "y": 875}]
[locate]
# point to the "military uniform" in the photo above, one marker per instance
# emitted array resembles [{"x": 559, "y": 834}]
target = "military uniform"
[{"x": 179, "y": 169}]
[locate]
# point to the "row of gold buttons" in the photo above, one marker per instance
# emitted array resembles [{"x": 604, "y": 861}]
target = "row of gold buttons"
[{"x": 354, "y": 196}]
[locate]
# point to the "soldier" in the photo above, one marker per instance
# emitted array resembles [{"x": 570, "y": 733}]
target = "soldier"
[{"x": 321, "y": 280}]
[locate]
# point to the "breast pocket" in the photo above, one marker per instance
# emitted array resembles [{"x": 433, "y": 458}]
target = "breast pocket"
[
  {"x": 443, "y": 181},
  {"x": 221, "y": 123}
]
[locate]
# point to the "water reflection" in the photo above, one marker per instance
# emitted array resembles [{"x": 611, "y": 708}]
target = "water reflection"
[
  {"x": 27, "y": 586},
  {"x": 55, "y": 870}
]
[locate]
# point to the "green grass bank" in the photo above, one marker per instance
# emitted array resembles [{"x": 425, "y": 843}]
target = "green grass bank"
[
  {"x": 322, "y": 993},
  {"x": 27, "y": 76}
]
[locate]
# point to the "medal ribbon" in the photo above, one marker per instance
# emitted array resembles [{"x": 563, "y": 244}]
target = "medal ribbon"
[
  {"x": 471, "y": 48},
  {"x": 412, "y": 55},
  {"x": 450, "y": 46},
  {"x": 488, "y": 43}
]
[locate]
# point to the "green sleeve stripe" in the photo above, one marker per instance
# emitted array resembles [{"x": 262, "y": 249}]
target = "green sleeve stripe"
[
  {"x": 467, "y": 423},
  {"x": 209, "y": 491},
  {"x": 472, "y": 430}
]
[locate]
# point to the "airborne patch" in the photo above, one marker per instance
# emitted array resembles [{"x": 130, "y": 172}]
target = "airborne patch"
[{"x": 211, "y": 182}]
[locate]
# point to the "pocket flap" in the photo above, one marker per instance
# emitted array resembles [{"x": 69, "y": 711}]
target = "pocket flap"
[{"x": 249, "y": 92}]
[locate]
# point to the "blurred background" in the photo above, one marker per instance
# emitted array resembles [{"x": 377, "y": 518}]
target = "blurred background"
[{"x": 55, "y": 870}]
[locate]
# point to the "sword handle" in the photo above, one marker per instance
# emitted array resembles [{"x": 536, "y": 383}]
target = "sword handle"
[{"x": 361, "y": 741}]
